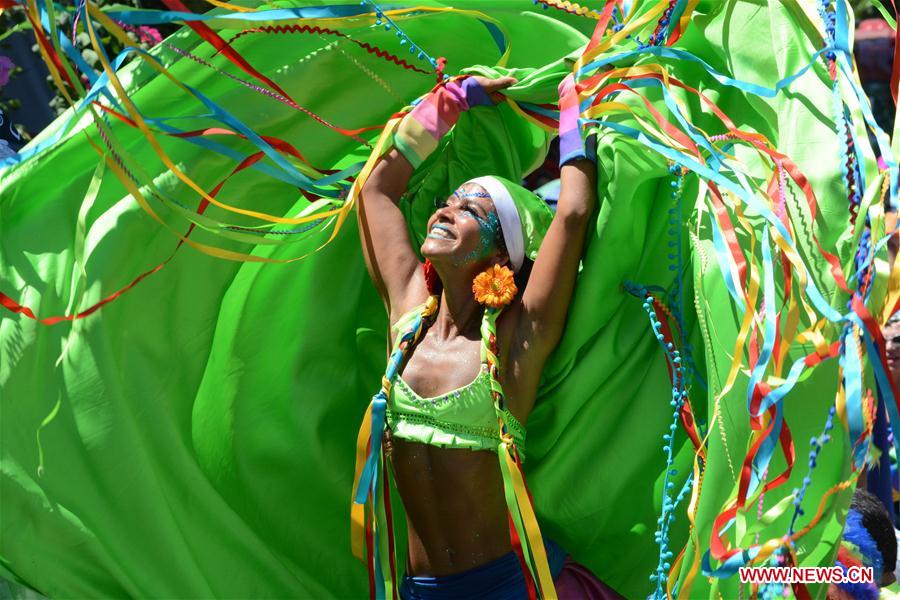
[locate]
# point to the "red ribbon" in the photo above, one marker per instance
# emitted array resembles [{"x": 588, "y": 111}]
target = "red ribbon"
[
  {"x": 221, "y": 45},
  {"x": 374, "y": 50}
]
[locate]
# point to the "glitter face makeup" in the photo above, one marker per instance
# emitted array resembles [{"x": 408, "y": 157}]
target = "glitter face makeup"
[
  {"x": 469, "y": 208},
  {"x": 487, "y": 229}
]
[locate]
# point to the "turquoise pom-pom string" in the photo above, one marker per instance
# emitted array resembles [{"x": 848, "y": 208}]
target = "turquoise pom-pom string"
[
  {"x": 678, "y": 398},
  {"x": 381, "y": 19}
]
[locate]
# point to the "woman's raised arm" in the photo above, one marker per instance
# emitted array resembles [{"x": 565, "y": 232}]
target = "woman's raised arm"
[
  {"x": 548, "y": 294},
  {"x": 386, "y": 244}
]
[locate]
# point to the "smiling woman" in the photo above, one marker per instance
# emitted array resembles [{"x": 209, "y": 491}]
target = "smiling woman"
[
  {"x": 469, "y": 207},
  {"x": 471, "y": 349}
]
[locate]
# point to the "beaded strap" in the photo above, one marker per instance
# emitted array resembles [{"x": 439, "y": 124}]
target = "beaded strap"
[
  {"x": 524, "y": 525},
  {"x": 368, "y": 487}
]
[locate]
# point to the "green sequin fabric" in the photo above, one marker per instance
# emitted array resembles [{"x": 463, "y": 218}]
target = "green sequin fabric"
[{"x": 462, "y": 418}]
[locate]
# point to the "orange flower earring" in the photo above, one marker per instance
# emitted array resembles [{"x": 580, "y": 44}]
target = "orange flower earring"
[{"x": 495, "y": 287}]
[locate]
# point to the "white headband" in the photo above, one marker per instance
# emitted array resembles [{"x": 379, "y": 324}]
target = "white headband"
[{"x": 508, "y": 215}]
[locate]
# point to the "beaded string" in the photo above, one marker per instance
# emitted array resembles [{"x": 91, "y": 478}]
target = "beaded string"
[
  {"x": 658, "y": 37},
  {"x": 688, "y": 485},
  {"x": 661, "y": 32},
  {"x": 382, "y": 19},
  {"x": 676, "y": 295},
  {"x": 569, "y": 7},
  {"x": 681, "y": 377},
  {"x": 688, "y": 368},
  {"x": 817, "y": 444},
  {"x": 678, "y": 398}
]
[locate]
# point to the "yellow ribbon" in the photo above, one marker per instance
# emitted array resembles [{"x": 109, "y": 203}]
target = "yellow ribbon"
[
  {"x": 358, "y": 511},
  {"x": 31, "y": 9},
  {"x": 229, "y": 6},
  {"x": 532, "y": 529},
  {"x": 518, "y": 110}
]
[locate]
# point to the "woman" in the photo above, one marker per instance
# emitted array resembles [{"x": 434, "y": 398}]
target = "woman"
[{"x": 471, "y": 351}]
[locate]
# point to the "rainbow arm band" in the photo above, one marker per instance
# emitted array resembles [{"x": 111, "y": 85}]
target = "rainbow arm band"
[
  {"x": 421, "y": 130},
  {"x": 572, "y": 145}
]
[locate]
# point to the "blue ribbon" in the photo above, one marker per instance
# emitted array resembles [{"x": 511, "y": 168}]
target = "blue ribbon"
[
  {"x": 852, "y": 368},
  {"x": 732, "y": 564},
  {"x": 664, "y": 52},
  {"x": 379, "y": 408},
  {"x": 367, "y": 478},
  {"x": 158, "y": 17}
]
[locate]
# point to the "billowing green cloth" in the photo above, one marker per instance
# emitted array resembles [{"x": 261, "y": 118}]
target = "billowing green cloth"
[{"x": 203, "y": 424}]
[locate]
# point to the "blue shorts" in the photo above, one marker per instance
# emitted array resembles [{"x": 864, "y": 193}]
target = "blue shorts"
[{"x": 500, "y": 579}]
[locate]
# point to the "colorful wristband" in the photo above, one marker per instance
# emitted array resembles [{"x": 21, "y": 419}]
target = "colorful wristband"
[
  {"x": 572, "y": 145},
  {"x": 421, "y": 130}
]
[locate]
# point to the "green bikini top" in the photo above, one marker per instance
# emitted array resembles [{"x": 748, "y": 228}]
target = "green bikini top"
[{"x": 462, "y": 418}]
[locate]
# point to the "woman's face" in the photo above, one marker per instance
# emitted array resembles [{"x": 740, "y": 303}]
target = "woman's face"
[{"x": 464, "y": 229}]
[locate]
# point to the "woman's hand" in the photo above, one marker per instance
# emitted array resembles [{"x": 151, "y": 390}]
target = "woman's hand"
[{"x": 492, "y": 87}]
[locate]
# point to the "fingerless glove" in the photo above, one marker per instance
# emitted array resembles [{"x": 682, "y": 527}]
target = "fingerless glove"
[{"x": 421, "y": 130}]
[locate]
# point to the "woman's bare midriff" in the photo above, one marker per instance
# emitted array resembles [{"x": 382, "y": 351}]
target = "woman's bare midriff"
[{"x": 455, "y": 507}]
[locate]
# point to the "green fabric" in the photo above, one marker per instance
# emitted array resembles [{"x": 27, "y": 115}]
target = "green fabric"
[
  {"x": 534, "y": 215},
  {"x": 196, "y": 434},
  {"x": 461, "y": 418}
]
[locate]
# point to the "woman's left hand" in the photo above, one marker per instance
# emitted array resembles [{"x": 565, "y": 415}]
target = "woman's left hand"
[{"x": 492, "y": 87}]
